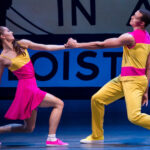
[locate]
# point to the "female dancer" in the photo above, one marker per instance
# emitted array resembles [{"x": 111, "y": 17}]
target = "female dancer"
[{"x": 28, "y": 96}]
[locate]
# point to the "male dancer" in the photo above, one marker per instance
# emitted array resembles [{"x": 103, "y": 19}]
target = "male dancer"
[{"x": 133, "y": 81}]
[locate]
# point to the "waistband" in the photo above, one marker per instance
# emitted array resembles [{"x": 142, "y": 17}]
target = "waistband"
[{"x": 131, "y": 71}]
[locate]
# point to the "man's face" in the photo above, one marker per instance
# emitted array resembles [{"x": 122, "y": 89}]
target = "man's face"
[{"x": 136, "y": 19}]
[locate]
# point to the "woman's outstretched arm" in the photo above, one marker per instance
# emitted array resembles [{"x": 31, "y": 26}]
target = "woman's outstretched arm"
[{"x": 36, "y": 46}]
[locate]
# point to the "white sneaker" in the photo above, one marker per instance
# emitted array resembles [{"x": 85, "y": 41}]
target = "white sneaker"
[{"x": 91, "y": 140}]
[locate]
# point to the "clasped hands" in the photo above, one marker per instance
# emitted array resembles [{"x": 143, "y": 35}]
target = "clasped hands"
[{"x": 71, "y": 43}]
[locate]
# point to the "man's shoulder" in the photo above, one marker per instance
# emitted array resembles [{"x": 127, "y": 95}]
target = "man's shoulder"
[
  {"x": 127, "y": 39},
  {"x": 127, "y": 36}
]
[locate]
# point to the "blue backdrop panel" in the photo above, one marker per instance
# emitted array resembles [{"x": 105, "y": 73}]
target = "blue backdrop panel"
[{"x": 71, "y": 68}]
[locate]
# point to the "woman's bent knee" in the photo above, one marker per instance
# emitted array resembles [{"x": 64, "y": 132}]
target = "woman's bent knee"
[
  {"x": 29, "y": 129},
  {"x": 60, "y": 104}
]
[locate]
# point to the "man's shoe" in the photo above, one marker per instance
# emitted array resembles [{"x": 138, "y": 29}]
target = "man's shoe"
[
  {"x": 58, "y": 142},
  {"x": 91, "y": 140}
]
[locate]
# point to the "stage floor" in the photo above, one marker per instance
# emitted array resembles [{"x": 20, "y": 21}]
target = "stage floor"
[
  {"x": 75, "y": 124},
  {"x": 118, "y": 137}
]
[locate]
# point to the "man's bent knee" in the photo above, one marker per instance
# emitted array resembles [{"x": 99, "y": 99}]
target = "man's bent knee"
[
  {"x": 134, "y": 119},
  {"x": 96, "y": 100}
]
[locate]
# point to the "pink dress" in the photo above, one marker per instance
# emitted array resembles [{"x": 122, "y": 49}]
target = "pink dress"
[{"x": 28, "y": 96}]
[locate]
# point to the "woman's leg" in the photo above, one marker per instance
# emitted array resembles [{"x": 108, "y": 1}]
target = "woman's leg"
[
  {"x": 28, "y": 126},
  {"x": 57, "y": 104}
]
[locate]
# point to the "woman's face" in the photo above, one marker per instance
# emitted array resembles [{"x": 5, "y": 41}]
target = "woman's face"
[{"x": 7, "y": 34}]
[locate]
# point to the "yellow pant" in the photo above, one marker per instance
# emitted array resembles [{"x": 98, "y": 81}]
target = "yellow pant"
[{"x": 114, "y": 90}]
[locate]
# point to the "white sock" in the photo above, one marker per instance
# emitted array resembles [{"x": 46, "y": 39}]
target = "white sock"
[{"x": 51, "y": 137}]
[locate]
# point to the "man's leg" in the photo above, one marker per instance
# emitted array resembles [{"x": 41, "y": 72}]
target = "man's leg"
[
  {"x": 133, "y": 91},
  {"x": 106, "y": 95}
]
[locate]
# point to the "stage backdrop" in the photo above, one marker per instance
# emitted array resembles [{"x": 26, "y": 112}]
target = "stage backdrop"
[{"x": 70, "y": 73}]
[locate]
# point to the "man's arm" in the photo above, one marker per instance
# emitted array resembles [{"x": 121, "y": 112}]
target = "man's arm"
[
  {"x": 145, "y": 96},
  {"x": 36, "y": 46},
  {"x": 124, "y": 39}
]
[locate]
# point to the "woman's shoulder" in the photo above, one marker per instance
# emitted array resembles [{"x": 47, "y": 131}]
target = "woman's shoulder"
[
  {"x": 4, "y": 61},
  {"x": 1, "y": 58},
  {"x": 24, "y": 42}
]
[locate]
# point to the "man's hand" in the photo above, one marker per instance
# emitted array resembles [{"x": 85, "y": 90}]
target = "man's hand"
[
  {"x": 71, "y": 43},
  {"x": 145, "y": 99}
]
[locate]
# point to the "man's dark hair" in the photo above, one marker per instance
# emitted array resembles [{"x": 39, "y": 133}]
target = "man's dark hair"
[{"x": 146, "y": 16}]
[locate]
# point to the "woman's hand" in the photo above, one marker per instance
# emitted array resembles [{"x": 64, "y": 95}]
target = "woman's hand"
[{"x": 71, "y": 43}]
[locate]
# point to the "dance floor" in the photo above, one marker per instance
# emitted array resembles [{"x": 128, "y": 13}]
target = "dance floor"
[{"x": 75, "y": 124}]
